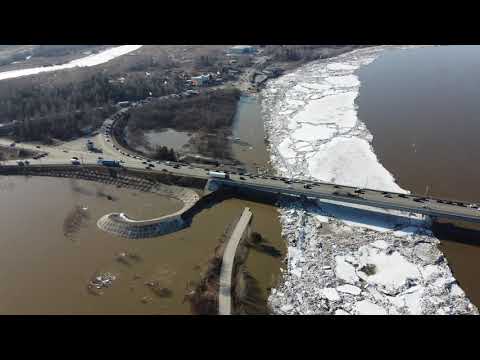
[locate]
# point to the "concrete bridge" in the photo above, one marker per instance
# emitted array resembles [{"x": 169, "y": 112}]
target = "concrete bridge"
[{"x": 186, "y": 175}]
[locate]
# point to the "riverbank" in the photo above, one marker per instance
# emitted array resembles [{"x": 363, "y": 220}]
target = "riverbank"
[
  {"x": 86, "y": 61},
  {"x": 342, "y": 260}
]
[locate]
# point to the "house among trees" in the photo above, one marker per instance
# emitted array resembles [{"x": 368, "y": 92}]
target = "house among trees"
[
  {"x": 242, "y": 49},
  {"x": 201, "y": 80}
]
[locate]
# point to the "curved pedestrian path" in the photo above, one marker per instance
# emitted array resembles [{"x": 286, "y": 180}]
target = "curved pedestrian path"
[
  {"x": 228, "y": 262},
  {"x": 122, "y": 225}
]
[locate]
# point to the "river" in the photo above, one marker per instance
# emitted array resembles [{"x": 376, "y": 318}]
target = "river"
[
  {"x": 248, "y": 127},
  {"x": 421, "y": 106},
  {"x": 43, "y": 271},
  {"x": 46, "y": 271}
]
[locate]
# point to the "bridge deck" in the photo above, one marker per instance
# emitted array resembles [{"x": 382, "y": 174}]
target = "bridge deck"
[
  {"x": 372, "y": 198},
  {"x": 345, "y": 194}
]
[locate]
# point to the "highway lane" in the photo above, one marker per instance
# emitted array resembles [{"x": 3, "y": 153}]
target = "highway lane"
[
  {"x": 343, "y": 194},
  {"x": 61, "y": 155},
  {"x": 372, "y": 198}
]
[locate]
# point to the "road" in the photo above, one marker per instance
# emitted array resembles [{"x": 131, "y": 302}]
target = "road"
[
  {"x": 343, "y": 194},
  {"x": 62, "y": 154}
]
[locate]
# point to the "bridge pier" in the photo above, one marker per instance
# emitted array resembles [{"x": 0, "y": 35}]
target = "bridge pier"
[
  {"x": 429, "y": 220},
  {"x": 211, "y": 186}
]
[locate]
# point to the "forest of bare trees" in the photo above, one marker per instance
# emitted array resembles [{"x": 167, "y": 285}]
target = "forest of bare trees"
[
  {"x": 45, "y": 110},
  {"x": 208, "y": 111}
]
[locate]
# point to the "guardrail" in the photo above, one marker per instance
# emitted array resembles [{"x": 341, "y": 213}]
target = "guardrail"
[{"x": 365, "y": 202}]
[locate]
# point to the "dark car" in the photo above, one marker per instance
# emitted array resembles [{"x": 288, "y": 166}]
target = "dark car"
[{"x": 242, "y": 178}]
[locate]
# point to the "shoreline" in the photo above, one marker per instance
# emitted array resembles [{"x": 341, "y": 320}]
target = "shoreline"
[
  {"x": 85, "y": 61},
  {"x": 329, "y": 247}
]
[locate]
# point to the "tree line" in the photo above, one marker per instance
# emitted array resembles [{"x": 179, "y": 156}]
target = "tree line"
[
  {"x": 45, "y": 109},
  {"x": 207, "y": 111},
  {"x": 164, "y": 153}
]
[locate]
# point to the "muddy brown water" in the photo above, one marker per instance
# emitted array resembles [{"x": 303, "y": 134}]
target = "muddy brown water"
[
  {"x": 422, "y": 107},
  {"x": 248, "y": 127},
  {"x": 44, "y": 272},
  {"x": 167, "y": 137}
]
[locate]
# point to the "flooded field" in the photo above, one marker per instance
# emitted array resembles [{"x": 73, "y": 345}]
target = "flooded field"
[
  {"x": 421, "y": 105},
  {"x": 45, "y": 265},
  {"x": 168, "y": 137}
]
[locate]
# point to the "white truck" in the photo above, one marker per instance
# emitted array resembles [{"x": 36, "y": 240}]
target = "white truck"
[{"x": 218, "y": 174}]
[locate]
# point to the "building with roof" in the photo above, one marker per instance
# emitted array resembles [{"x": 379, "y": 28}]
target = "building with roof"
[{"x": 242, "y": 49}]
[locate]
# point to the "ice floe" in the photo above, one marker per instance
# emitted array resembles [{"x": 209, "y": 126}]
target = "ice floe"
[{"x": 346, "y": 259}]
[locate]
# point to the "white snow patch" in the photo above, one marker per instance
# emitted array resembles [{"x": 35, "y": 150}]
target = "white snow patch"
[
  {"x": 456, "y": 290},
  {"x": 91, "y": 60},
  {"x": 344, "y": 270},
  {"x": 307, "y": 132},
  {"x": 366, "y": 307},
  {"x": 349, "y": 289},
  {"x": 330, "y": 109},
  {"x": 407, "y": 231},
  {"x": 331, "y": 294},
  {"x": 391, "y": 271},
  {"x": 411, "y": 300},
  {"x": 350, "y": 161},
  {"x": 380, "y": 244}
]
